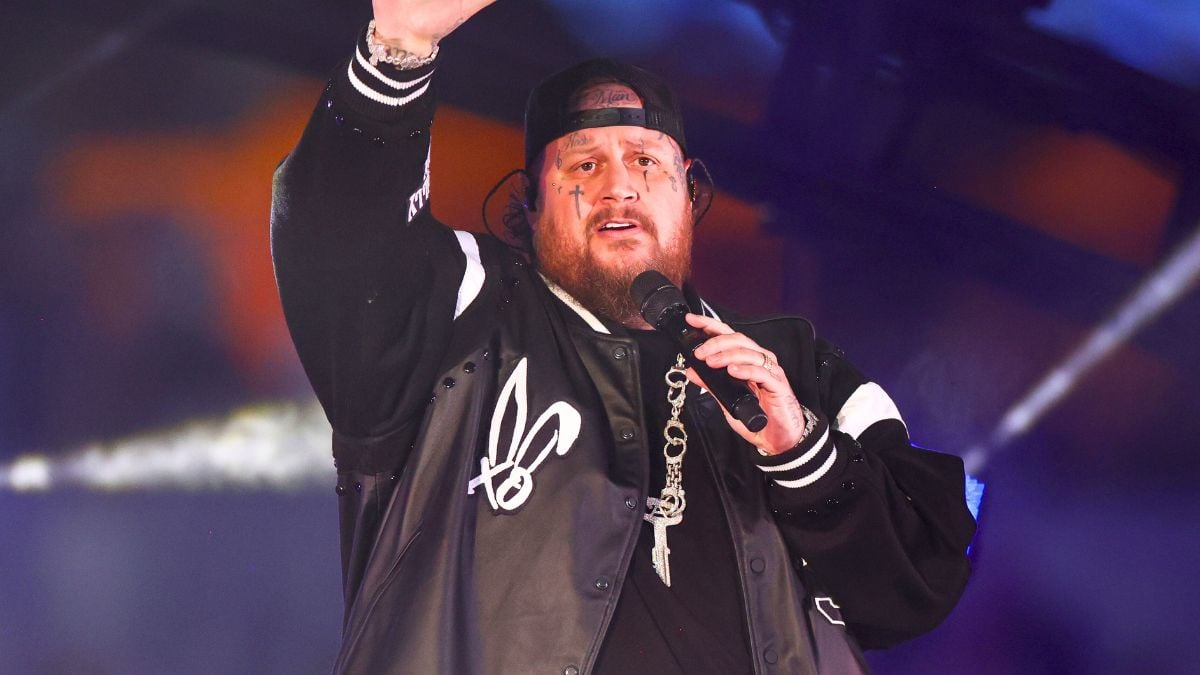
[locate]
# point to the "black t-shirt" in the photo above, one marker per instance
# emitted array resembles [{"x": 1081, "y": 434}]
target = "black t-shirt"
[{"x": 697, "y": 625}]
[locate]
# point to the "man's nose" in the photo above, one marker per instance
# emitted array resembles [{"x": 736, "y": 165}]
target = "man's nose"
[{"x": 619, "y": 185}]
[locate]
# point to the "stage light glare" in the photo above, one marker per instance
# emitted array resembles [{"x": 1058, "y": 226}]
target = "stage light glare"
[
  {"x": 29, "y": 473},
  {"x": 1162, "y": 288},
  {"x": 281, "y": 446}
]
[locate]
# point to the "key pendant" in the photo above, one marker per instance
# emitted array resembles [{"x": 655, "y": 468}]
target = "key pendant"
[{"x": 660, "y": 554}]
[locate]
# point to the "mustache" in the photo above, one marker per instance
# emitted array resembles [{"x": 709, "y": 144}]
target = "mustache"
[{"x": 621, "y": 213}]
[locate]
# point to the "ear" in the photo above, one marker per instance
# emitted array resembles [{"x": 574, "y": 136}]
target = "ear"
[
  {"x": 691, "y": 180},
  {"x": 529, "y": 192},
  {"x": 700, "y": 188}
]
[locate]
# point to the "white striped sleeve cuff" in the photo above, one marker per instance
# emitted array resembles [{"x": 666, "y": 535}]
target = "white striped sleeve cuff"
[
  {"x": 385, "y": 84},
  {"x": 804, "y": 464}
]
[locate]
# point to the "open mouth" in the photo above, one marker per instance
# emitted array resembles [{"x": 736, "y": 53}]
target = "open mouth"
[{"x": 617, "y": 226}]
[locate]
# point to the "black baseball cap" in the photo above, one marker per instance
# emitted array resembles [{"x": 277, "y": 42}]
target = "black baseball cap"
[{"x": 548, "y": 113}]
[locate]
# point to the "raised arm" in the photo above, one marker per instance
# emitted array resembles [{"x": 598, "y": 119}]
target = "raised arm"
[{"x": 367, "y": 277}]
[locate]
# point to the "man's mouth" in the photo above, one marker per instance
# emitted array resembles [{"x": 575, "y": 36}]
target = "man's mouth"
[{"x": 617, "y": 226}]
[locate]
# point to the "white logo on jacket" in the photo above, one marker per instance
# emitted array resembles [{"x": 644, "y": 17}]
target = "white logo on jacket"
[{"x": 516, "y": 476}]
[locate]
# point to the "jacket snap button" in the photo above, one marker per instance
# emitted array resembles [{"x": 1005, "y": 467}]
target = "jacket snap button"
[
  {"x": 469, "y": 367},
  {"x": 601, "y": 584},
  {"x": 757, "y": 565},
  {"x": 630, "y": 503},
  {"x": 341, "y": 489},
  {"x": 570, "y": 670},
  {"x": 770, "y": 656},
  {"x": 627, "y": 434},
  {"x": 448, "y": 383},
  {"x": 620, "y": 353},
  {"x": 358, "y": 487}
]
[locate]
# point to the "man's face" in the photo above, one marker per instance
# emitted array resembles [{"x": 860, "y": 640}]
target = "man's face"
[{"x": 613, "y": 203}]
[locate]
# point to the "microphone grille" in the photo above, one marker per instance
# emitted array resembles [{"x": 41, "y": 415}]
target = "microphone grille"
[{"x": 655, "y": 294}]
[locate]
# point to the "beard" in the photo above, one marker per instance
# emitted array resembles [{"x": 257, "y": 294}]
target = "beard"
[{"x": 602, "y": 287}]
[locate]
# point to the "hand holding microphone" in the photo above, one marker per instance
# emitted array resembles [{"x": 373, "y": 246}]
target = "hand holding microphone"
[
  {"x": 663, "y": 306},
  {"x": 743, "y": 376}
]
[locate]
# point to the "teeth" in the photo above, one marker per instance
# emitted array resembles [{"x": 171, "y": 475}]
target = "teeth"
[{"x": 616, "y": 226}]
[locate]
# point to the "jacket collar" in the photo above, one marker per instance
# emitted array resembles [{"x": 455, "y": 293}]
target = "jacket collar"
[
  {"x": 606, "y": 326},
  {"x": 582, "y": 312}
]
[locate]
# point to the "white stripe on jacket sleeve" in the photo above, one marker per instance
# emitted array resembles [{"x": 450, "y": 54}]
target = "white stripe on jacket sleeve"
[
  {"x": 866, "y": 406},
  {"x": 472, "y": 281}
]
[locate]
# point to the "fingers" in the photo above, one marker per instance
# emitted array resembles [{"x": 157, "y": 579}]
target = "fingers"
[
  {"x": 727, "y": 347},
  {"x": 746, "y": 360},
  {"x": 723, "y": 337},
  {"x": 771, "y": 381},
  {"x": 708, "y": 324},
  {"x": 742, "y": 357}
]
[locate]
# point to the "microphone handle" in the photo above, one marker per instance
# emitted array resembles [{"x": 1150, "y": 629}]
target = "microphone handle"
[{"x": 734, "y": 394}]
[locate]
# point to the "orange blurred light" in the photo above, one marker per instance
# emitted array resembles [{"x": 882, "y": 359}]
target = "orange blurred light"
[
  {"x": 217, "y": 185},
  {"x": 1079, "y": 187}
]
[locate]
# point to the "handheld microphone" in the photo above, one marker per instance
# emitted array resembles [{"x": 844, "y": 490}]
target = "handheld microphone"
[{"x": 663, "y": 306}]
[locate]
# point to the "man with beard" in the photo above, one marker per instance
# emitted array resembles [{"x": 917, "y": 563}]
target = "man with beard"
[{"x": 529, "y": 480}]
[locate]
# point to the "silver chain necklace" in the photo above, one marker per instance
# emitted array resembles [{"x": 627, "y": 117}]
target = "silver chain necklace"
[{"x": 667, "y": 510}]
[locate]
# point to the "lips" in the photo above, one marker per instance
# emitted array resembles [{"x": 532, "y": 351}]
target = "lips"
[{"x": 617, "y": 226}]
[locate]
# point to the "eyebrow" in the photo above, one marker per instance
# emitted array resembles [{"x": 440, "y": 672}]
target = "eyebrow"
[
  {"x": 651, "y": 143},
  {"x": 579, "y": 149}
]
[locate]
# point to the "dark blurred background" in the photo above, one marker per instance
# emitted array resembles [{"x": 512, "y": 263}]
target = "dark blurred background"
[{"x": 962, "y": 195}]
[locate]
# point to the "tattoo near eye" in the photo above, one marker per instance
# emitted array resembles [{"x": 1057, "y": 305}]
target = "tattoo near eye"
[{"x": 577, "y": 192}]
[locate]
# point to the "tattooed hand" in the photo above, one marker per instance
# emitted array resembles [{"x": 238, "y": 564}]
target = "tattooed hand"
[
  {"x": 417, "y": 25},
  {"x": 746, "y": 360}
]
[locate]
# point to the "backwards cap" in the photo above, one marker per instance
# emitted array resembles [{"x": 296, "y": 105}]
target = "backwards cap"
[{"x": 548, "y": 113}]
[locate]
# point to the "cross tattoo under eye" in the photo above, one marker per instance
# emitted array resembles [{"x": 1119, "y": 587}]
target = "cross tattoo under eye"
[
  {"x": 646, "y": 178},
  {"x": 577, "y": 192}
]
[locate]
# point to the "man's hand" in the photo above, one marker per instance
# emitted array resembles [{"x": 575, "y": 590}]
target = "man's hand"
[
  {"x": 417, "y": 25},
  {"x": 745, "y": 360}
]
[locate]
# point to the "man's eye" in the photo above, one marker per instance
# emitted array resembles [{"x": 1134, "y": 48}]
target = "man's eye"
[
  {"x": 587, "y": 167},
  {"x": 646, "y": 161}
]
